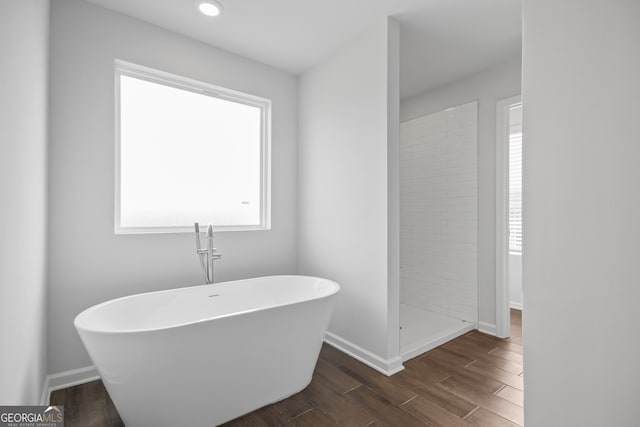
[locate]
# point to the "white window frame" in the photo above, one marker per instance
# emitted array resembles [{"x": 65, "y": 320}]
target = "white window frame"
[{"x": 123, "y": 68}]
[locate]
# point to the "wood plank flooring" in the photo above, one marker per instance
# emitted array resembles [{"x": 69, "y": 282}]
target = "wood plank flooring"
[{"x": 474, "y": 380}]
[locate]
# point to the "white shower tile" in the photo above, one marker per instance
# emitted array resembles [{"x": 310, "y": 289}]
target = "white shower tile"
[{"x": 439, "y": 212}]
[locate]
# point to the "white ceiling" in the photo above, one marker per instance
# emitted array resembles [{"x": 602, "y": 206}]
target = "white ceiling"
[{"x": 441, "y": 40}]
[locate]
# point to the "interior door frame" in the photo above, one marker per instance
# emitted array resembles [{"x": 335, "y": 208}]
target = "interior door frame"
[{"x": 503, "y": 314}]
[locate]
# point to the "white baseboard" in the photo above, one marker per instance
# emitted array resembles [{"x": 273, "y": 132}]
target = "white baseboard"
[
  {"x": 66, "y": 379},
  {"x": 515, "y": 305},
  {"x": 87, "y": 374},
  {"x": 44, "y": 397},
  {"x": 487, "y": 328},
  {"x": 387, "y": 367}
]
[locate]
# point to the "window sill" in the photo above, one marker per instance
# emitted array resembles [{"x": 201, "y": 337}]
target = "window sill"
[{"x": 187, "y": 229}]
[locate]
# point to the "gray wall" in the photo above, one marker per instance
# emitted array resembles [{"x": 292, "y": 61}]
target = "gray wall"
[
  {"x": 581, "y": 92},
  {"x": 488, "y": 87},
  {"x": 24, "y": 47},
  {"x": 348, "y": 203},
  {"x": 88, "y": 262}
]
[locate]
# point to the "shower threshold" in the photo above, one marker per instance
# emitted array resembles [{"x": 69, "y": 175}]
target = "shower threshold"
[{"x": 423, "y": 330}]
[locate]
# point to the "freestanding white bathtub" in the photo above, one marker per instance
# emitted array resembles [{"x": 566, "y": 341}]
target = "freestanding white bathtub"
[{"x": 203, "y": 355}]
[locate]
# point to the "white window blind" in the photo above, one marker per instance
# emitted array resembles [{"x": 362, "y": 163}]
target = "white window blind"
[{"x": 515, "y": 179}]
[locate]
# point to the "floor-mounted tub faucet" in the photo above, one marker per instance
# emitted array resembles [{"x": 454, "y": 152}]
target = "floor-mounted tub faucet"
[{"x": 208, "y": 255}]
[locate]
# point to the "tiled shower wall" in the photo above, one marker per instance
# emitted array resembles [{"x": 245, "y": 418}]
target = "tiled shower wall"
[{"x": 439, "y": 212}]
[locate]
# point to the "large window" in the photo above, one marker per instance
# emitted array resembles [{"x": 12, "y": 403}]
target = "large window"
[{"x": 188, "y": 151}]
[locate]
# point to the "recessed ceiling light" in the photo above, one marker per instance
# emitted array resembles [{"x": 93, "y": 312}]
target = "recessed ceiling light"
[{"x": 210, "y": 8}]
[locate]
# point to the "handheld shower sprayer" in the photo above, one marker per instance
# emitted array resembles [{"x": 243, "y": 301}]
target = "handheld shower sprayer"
[
  {"x": 197, "y": 227},
  {"x": 208, "y": 255}
]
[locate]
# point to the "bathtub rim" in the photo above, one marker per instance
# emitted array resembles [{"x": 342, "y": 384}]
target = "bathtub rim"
[{"x": 83, "y": 328}]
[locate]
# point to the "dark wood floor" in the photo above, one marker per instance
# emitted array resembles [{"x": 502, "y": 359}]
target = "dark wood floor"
[{"x": 474, "y": 380}]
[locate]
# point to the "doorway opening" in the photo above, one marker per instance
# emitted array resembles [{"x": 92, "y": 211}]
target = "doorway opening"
[{"x": 508, "y": 212}]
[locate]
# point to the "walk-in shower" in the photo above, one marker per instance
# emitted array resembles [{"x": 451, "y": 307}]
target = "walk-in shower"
[{"x": 438, "y": 228}]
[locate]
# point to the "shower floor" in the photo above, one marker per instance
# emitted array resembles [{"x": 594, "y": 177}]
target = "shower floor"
[{"x": 423, "y": 330}]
